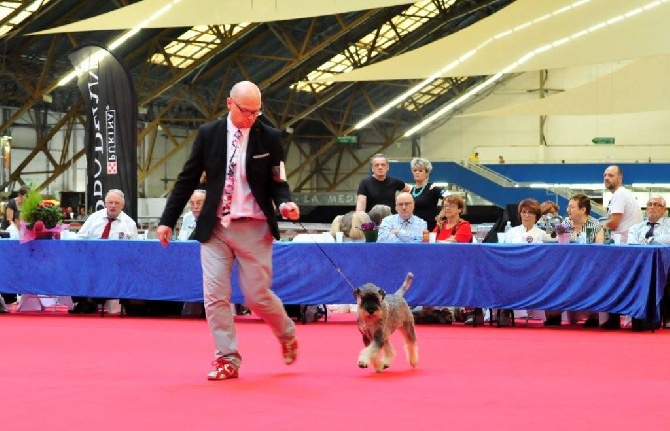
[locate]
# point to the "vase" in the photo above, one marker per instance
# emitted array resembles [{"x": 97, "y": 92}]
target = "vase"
[
  {"x": 563, "y": 238},
  {"x": 45, "y": 235},
  {"x": 370, "y": 235}
]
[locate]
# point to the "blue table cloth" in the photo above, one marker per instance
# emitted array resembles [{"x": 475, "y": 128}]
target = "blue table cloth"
[{"x": 623, "y": 279}]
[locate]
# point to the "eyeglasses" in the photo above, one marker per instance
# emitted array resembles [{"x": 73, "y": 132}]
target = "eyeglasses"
[
  {"x": 527, "y": 213},
  {"x": 248, "y": 112},
  {"x": 404, "y": 204},
  {"x": 655, "y": 204},
  {"x": 449, "y": 206}
]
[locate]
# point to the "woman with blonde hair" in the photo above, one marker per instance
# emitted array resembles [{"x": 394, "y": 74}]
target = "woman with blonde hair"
[
  {"x": 426, "y": 194},
  {"x": 349, "y": 224}
]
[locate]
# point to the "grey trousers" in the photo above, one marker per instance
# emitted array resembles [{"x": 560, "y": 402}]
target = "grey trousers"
[{"x": 250, "y": 242}]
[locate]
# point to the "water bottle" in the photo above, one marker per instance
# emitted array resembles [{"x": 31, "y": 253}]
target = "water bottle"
[
  {"x": 508, "y": 226},
  {"x": 581, "y": 239}
]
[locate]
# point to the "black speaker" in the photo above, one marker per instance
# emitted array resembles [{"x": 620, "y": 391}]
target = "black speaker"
[
  {"x": 511, "y": 213},
  {"x": 72, "y": 199}
]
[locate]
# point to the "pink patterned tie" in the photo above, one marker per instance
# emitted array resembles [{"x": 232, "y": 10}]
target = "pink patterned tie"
[{"x": 230, "y": 182}]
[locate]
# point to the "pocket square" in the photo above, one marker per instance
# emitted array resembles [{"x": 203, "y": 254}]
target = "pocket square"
[{"x": 260, "y": 156}]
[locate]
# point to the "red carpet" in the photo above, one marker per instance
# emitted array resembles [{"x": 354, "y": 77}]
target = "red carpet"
[{"x": 62, "y": 372}]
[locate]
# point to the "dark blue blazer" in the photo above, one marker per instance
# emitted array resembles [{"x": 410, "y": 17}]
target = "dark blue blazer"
[{"x": 209, "y": 155}]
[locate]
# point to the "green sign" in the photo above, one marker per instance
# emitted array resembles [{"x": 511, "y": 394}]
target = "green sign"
[
  {"x": 603, "y": 141},
  {"x": 349, "y": 139}
]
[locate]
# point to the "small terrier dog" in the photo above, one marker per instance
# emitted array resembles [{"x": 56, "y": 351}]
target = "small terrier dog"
[{"x": 379, "y": 315}]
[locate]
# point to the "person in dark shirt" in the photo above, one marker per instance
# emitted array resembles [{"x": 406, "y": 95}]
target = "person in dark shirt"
[
  {"x": 426, "y": 195},
  {"x": 379, "y": 188},
  {"x": 13, "y": 209}
]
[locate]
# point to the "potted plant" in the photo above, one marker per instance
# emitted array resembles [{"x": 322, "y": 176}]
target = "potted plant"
[
  {"x": 370, "y": 231},
  {"x": 563, "y": 232},
  {"x": 40, "y": 219}
]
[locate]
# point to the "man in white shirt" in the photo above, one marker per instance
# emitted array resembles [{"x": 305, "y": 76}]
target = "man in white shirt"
[
  {"x": 403, "y": 226},
  {"x": 191, "y": 217},
  {"x": 192, "y": 309},
  {"x": 656, "y": 228},
  {"x": 623, "y": 209},
  {"x": 624, "y": 212},
  {"x": 108, "y": 223}
]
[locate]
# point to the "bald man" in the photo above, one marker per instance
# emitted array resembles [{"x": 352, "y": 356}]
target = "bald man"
[{"x": 243, "y": 161}]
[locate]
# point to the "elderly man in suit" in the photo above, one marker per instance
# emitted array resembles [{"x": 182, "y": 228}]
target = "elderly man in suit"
[{"x": 243, "y": 161}]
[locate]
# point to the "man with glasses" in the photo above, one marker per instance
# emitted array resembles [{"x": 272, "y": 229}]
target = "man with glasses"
[
  {"x": 403, "y": 226},
  {"x": 191, "y": 218},
  {"x": 108, "y": 223},
  {"x": 243, "y": 161},
  {"x": 656, "y": 228}
]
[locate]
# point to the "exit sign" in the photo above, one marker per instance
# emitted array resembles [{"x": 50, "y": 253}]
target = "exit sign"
[
  {"x": 349, "y": 139},
  {"x": 603, "y": 141}
]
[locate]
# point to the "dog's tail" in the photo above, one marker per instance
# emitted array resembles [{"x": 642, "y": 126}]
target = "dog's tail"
[{"x": 405, "y": 286}]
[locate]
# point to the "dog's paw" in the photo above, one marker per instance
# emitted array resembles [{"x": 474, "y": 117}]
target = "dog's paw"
[
  {"x": 377, "y": 364},
  {"x": 362, "y": 364}
]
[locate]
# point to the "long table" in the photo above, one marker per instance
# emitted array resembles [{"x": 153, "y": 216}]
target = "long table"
[{"x": 622, "y": 279}]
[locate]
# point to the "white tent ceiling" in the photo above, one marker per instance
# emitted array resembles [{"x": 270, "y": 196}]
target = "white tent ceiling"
[
  {"x": 641, "y": 86},
  {"x": 189, "y": 13},
  {"x": 642, "y": 32}
]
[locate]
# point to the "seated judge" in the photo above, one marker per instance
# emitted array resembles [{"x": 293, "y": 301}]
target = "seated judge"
[
  {"x": 349, "y": 224},
  {"x": 656, "y": 228},
  {"x": 191, "y": 217},
  {"x": 527, "y": 232},
  {"x": 192, "y": 309},
  {"x": 108, "y": 223},
  {"x": 450, "y": 226},
  {"x": 403, "y": 226},
  {"x": 580, "y": 219}
]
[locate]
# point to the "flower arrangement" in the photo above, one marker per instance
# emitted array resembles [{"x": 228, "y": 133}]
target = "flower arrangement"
[
  {"x": 40, "y": 219},
  {"x": 562, "y": 228},
  {"x": 368, "y": 226},
  {"x": 39, "y": 214}
]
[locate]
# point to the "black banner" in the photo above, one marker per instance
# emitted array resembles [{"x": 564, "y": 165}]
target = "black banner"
[{"x": 111, "y": 126}]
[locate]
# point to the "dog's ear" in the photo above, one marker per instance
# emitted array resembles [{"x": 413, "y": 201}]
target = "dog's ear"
[
  {"x": 382, "y": 293},
  {"x": 357, "y": 293}
]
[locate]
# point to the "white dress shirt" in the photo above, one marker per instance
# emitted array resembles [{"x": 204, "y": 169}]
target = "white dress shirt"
[
  {"x": 638, "y": 232},
  {"x": 410, "y": 230},
  {"x": 122, "y": 228},
  {"x": 519, "y": 235},
  {"x": 187, "y": 226}
]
